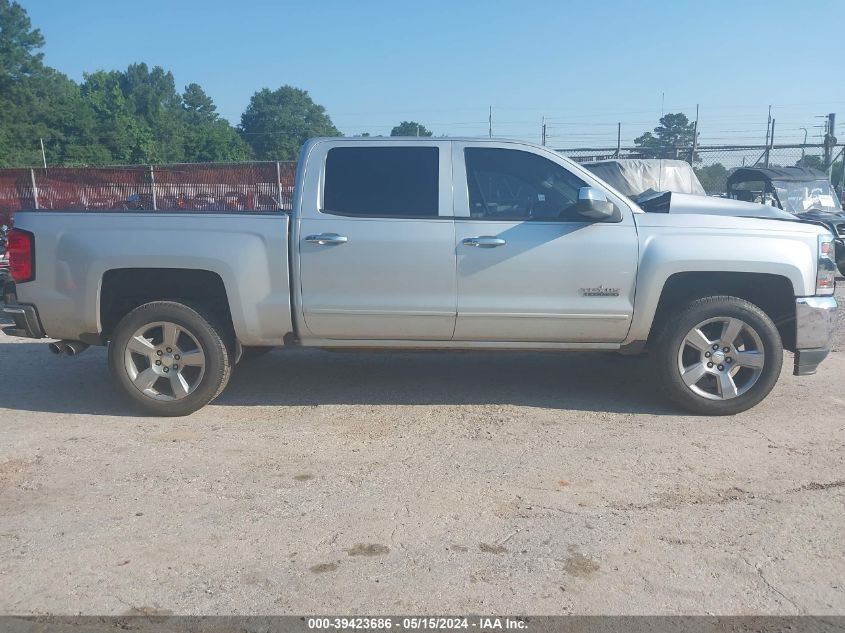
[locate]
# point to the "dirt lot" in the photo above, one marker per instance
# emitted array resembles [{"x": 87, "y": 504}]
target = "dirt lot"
[{"x": 418, "y": 483}]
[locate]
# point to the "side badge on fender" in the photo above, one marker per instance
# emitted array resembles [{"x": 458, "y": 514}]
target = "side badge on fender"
[{"x": 599, "y": 291}]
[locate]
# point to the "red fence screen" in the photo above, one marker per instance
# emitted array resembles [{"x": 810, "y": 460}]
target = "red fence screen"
[
  {"x": 15, "y": 193},
  {"x": 185, "y": 187}
]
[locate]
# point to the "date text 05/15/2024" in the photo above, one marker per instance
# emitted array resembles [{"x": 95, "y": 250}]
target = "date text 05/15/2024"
[{"x": 479, "y": 623}]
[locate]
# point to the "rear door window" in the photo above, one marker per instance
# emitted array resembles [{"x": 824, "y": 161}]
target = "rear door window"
[{"x": 382, "y": 182}]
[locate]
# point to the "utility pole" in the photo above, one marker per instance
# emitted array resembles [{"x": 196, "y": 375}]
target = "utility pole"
[
  {"x": 842, "y": 185},
  {"x": 768, "y": 127},
  {"x": 619, "y": 139},
  {"x": 543, "y": 134},
  {"x": 279, "y": 183},
  {"x": 490, "y": 123},
  {"x": 694, "y": 137},
  {"x": 43, "y": 155},
  {"x": 34, "y": 188},
  {"x": 829, "y": 142},
  {"x": 153, "y": 188},
  {"x": 771, "y": 143},
  {"x": 803, "y": 146}
]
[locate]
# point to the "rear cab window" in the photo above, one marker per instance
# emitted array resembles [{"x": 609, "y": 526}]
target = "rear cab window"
[{"x": 397, "y": 182}]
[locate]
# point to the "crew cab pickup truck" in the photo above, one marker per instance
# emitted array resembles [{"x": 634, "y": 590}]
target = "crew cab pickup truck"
[{"x": 435, "y": 244}]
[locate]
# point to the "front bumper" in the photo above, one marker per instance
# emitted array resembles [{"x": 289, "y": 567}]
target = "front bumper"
[
  {"x": 25, "y": 317},
  {"x": 815, "y": 320}
]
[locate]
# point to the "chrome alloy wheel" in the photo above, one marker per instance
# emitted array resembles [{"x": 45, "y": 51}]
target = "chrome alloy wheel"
[
  {"x": 164, "y": 361},
  {"x": 721, "y": 358}
]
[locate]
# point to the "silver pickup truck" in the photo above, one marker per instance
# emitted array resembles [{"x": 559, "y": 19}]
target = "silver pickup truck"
[{"x": 435, "y": 244}]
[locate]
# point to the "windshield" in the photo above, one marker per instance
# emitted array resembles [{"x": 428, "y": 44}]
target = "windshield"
[{"x": 800, "y": 197}]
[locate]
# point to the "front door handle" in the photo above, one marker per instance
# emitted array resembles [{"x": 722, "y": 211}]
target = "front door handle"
[
  {"x": 484, "y": 241},
  {"x": 326, "y": 238}
]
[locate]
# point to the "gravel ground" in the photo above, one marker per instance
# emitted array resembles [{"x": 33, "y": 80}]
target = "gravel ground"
[{"x": 418, "y": 483}]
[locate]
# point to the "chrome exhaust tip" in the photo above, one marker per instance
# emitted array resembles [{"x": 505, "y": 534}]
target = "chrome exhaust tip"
[
  {"x": 68, "y": 348},
  {"x": 73, "y": 348}
]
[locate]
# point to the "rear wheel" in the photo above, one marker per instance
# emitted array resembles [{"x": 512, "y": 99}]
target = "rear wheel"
[
  {"x": 169, "y": 358},
  {"x": 719, "y": 356}
]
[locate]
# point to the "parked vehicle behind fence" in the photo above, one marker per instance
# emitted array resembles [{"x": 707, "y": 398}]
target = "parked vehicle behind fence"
[
  {"x": 409, "y": 243},
  {"x": 804, "y": 193}
]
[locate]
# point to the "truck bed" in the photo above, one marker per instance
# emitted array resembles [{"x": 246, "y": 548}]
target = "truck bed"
[{"x": 248, "y": 252}]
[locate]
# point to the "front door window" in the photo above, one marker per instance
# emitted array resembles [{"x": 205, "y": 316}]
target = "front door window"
[{"x": 506, "y": 184}]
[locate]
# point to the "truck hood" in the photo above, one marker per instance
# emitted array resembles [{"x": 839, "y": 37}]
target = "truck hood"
[
  {"x": 822, "y": 216},
  {"x": 710, "y": 205},
  {"x": 711, "y": 222}
]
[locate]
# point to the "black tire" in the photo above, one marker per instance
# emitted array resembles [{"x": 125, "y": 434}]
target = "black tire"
[
  {"x": 251, "y": 353},
  {"x": 211, "y": 338},
  {"x": 667, "y": 351}
]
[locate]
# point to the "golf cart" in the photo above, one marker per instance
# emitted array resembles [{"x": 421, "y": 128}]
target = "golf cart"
[{"x": 805, "y": 193}]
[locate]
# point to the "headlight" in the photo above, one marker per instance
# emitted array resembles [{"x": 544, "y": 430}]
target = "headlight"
[{"x": 826, "y": 277}]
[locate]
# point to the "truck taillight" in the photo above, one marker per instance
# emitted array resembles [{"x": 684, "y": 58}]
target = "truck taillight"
[
  {"x": 826, "y": 276},
  {"x": 20, "y": 246}
]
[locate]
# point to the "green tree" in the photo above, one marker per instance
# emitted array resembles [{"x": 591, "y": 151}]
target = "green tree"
[
  {"x": 149, "y": 92},
  {"x": 277, "y": 122},
  {"x": 215, "y": 141},
  {"x": 18, "y": 43},
  {"x": 410, "y": 128},
  {"x": 671, "y": 139},
  {"x": 125, "y": 136},
  {"x": 37, "y": 102},
  {"x": 152, "y": 98},
  {"x": 208, "y": 138},
  {"x": 836, "y": 174},
  {"x": 62, "y": 118},
  {"x": 134, "y": 115},
  {"x": 813, "y": 161},
  {"x": 713, "y": 177},
  {"x": 141, "y": 118},
  {"x": 198, "y": 105}
]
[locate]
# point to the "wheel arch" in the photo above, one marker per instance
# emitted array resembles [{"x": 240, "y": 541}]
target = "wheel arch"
[
  {"x": 124, "y": 289},
  {"x": 774, "y": 294}
]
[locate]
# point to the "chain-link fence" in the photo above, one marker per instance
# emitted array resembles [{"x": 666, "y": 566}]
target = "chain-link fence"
[
  {"x": 259, "y": 186},
  {"x": 730, "y": 156},
  {"x": 713, "y": 163},
  {"x": 268, "y": 186}
]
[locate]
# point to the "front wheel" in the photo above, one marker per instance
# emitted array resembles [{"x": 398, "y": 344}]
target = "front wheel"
[
  {"x": 719, "y": 356},
  {"x": 169, "y": 358}
]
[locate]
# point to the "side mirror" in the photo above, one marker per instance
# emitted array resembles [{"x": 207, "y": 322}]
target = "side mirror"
[{"x": 593, "y": 204}]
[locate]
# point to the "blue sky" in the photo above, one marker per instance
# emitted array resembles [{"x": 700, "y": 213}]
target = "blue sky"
[{"x": 584, "y": 65}]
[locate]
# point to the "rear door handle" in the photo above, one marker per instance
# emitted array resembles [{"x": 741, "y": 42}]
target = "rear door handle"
[
  {"x": 327, "y": 238},
  {"x": 484, "y": 241}
]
